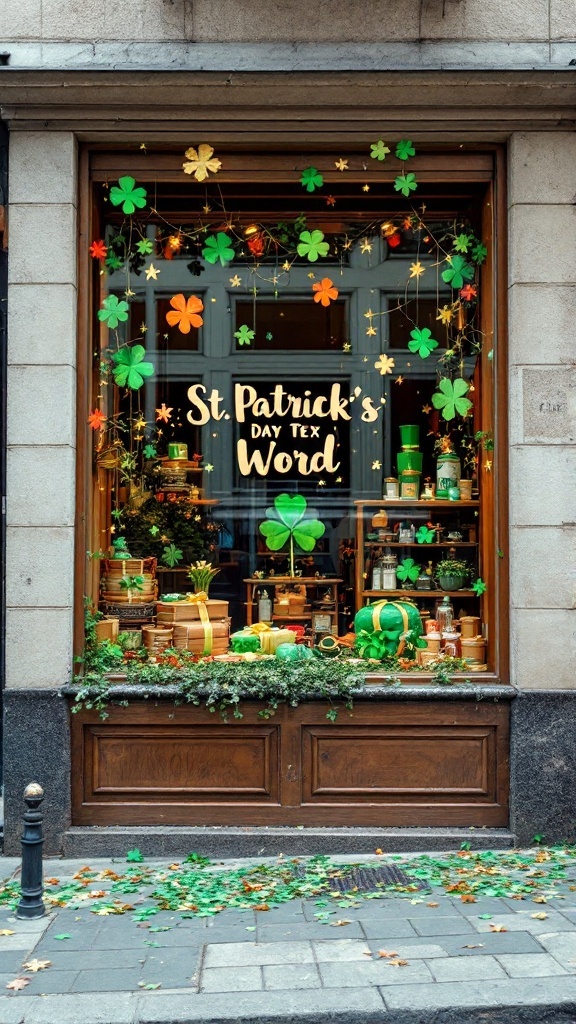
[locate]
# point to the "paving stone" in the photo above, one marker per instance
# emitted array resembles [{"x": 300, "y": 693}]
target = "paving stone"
[
  {"x": 175, "y": 967},
  {"x": 497, "y": 942},
  {"x": 373, "y": 972},
  {"x": 443, "y": 926},
  {"x": 10, "y": 1011},
  {"x": 96, "y": 959},
  {"x": 109, "y": 981},
  {"x": 78, "y": 1008},
  {"x": 489, "y": 905},
  {"x": 530, "y": 965},
  {"x": 555, "y": 922},
  {"x": 397, "y": 927},
  {"x": 305, "y": 1005},
  {"x": 455, "y": 969},
  {"x": 215, "y": 935},
  {"x": 24, "y": 942},
  {"x": 291, "y": 976},
  {"x": 244, "y": 954},
  {"x": 562, "y": 947},
  {"x": 305, "y": 930},
  {"x": 11, "y": 960},
  {"x": 232, "y": 979},
  {"x": 231, "y": 919},
  {"x": 48, "y": 981},
  {"x": 340, "y": 951},
  {"x": 418, "y": 949},
  {"x": 498, "y": 994}
]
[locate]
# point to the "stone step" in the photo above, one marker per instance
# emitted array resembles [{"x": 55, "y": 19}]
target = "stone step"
[{"x": 257, "y": 841}]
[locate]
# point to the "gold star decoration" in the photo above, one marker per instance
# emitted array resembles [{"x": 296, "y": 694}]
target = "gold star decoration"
[
  {"x": 143, "y": 146},
  {"x": 143, "y": 328},
  {"x": 445, "y": 315},
  {"x": 164, "y": 413},
  {"x": 426, "y": 409},
  {"x": 365, "y": 188},
  {"x": 206, "y": 208},
  {"x": 209, "y": 467},
  {"x": 338, "y": 479},
  {"x": 488, "y": 465},
  {"x": 201, "y": 162},
  {"x": 384, "y": 364},
  {"x": 341, "y": 165},
  {"x": 330, "y": 201},
  {"x": 371, "y": 332},
  {"x": 369, "y": 314},
  {"x": 129, "y": 293},
  {"x": 235, "y": 281},
  {"x": 286, "y": 266},
  {"x": 152, "y": 272},
  {"x": 321, "y": 483},
  {"x": 365, "y": 245},
  {"x": 140, "y": 423},
  {"x": 376, "y": 464},
  {"x": 311, "y": 276},
  {"x": 346, "y": 347},
  {"x": 399, "y": 380},
  {"x": 417, "y": 269}
]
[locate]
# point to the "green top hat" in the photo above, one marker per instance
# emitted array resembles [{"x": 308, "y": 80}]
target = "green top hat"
[{"x": 409, "y": 435}]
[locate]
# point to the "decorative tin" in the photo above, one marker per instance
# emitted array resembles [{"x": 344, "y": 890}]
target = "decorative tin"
[{"x": 391, "y": 487}]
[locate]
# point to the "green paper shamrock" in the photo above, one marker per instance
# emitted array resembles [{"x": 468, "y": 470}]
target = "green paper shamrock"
[
  {"x": 408, "y": 571},
  {"x": 425, "y": 535},
  {"x": 172, "y": 555},
  {"x": 244, "y": 335},
  {"x": 422, "y": 342},
  {"x": 406, "y": 183},
  {"x": 311, "y": 179},
  {"x": 150, "y": 451},
  {"x": 113, "y": 311},
  {"x": 217, "y": 247},
  {"x": 287, "y": 522},
  {"x": 450, "y": 398},
  {"x": 479, "y": 253},
  {"x": 479, "y": 587},
  {"x": 130, "y": 370},
  {"x": 312, "y": 245},
  {"x": 132, "y": 582},
  {"x": 154, "y": 530},
  {"x": 124, "y": 193},
  {"x": 405, "y": 149},
  {"x": 457, "y": 272},
  {"x": 113, "y": 262},
  {"x": 378, "y": 150},
  {"x": 462, "y": 242},
  {"x": 145, "y": 246}
]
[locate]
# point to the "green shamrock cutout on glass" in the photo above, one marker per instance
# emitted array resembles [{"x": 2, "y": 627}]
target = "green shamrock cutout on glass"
[
  {"x": 457, "y": 272},
  {"x": 479, "y": 252},
  {"x": 462, "y": 242},
  {"x": 287, "y": 522},
  {"x": 422, "y": 342},
  {"x": 150, "y": 451},
  {"x": 145, "y": 246},
  {"x": 218, "y": 248},
  {"x": 113, "y": 312},
  {"x": 312, "y": 245},
  {"x": 113, "y": 262},
  {"x": 425, "y": 535},
  {"x": 172, "y": 555},
  {"x": 130, "y": 370},
  {"x": 406, "y": 183},
  {"x": 379, "y": 150},
  {"x": 244, "y": 335},
  {"x": 408, "y": 571},
  {"x": 405, "y": 149},
  {"x": 125, "y": 194},
  {"x": 479, "y": 587},
  {"x": 450, "y": 398},
  {"x": 311, "y": 179}
]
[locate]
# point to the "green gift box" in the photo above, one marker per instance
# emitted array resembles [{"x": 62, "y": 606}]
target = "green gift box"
[
  {"x": 397, "y": 623},
  {"x": 244, "y": 642},
  {"x": 177, "y": 451}
]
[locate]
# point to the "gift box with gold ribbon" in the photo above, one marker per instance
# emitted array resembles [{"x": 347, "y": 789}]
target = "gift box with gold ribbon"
[
  {"x": 188, "y": 609},
  {"x": 204, "y": 638}
]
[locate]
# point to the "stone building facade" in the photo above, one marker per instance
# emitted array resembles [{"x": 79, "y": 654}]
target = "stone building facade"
[{"x": 465, "y": 72}]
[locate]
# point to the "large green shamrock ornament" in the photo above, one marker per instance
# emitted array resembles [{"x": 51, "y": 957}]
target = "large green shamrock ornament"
[
  {"x": 406, "y": 183},
  {"x": 408, "y": 571},
  {"x": 145, "y": 246},
  {"x": 425, "y": 534},
  {"x": 126, "y": 194},
  {"x": 113, "y": 311},
  {"x": 172, "y": 555},
  {"x": 450, "y": 398},
  {"x": 457, "y": 272},
  {"x": 405, "y": 149},
  {"x": 311, "y": 179},
  {"x": 130, "y": 370},
  {"x": 422, "y": 342},
  {"x": 244, "y": 335},
  {"x": 287, "y": 522},
  {"x": 217, "y": 247},
  {"x": 312, "y": 245},
  {"x": 379, "y": 150}
]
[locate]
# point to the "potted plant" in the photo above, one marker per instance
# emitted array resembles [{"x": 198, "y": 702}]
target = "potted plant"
[{"x": 452, "y": 573}]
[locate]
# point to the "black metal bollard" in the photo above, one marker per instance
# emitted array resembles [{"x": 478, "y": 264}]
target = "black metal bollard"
[{"x": 31, "y": 903}]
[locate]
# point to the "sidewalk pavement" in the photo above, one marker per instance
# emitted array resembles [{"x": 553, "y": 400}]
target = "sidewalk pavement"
[{"x": 416, "y": 958}]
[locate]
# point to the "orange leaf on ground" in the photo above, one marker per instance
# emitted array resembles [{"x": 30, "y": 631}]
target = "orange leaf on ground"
[
  {"x": 384, "y": 954},
  {"x": 18, "y": 984}
]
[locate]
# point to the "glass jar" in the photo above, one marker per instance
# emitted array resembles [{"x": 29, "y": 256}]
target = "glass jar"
[
  {"x": 377, "y": 575},
  {"x": 445, "y": 614},
  {"x": 391, "y": 487}
]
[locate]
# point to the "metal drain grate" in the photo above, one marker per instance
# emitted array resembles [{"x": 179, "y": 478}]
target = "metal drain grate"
[{"x": 367, "y": 879}]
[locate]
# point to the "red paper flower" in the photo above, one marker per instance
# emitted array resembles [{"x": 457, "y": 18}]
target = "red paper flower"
[
  {"x": 96, "y": 419},
  {"x": 98, "y": 250},
  {"x": 394, "y": 240},
  {"x": 468, "y": 292},
  {"x": 256, "y": 244}
]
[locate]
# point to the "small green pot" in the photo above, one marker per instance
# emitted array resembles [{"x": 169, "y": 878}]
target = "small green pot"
[{"x": 451, "y": 582}]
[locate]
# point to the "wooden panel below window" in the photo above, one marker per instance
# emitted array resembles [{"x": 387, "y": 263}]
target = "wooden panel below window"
[{"x": 386, "y": 763}]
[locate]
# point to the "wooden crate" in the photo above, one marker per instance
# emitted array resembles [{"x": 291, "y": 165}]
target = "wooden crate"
[{"x": 168, "y": 612}]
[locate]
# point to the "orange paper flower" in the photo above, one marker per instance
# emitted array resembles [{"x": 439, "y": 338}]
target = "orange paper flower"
[
  {"x": 325, "y": 291},
  {"x": 96, "y": 419},
  {"x": 98, "y": 250},
  {"x": 185, "y": 313},
  {"x": 468, "y": 292}
]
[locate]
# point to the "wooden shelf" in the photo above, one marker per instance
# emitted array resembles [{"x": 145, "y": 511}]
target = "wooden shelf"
[
  {"x": 421, "y": 547},
  {"x": 418, "y": 593},
  {"x": 322, "y": 582},
  {"x": 406, "y": 503}
]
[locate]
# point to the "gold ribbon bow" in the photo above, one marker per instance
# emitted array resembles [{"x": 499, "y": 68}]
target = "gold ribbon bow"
[
  {"x": 200, "y": 599},
  {"x": 257, "y": 627}
]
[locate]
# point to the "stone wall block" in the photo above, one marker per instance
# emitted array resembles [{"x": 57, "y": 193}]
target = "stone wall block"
[
  {"x": 541, "y": 323},
  {"x": 542, "y": 244},
  {"x": 548, "y": 409},
  {"x": 21, "y": 20},
  {"x": 562, "y": 19},
  {"x": 541, "y": 167},
  {"x": 42, "y": 167},
  {"x": 42, "y": 320},
  {"x": 113, "y": 19},
  {"x": 42, "y": 244},
  {"x": 335, "y": 21},
  {"x": 39, "y": 567},
  {"x": 41, "y": 405},
  {"x": 40, "y": 486},
  {"x": 515, "y": 20},
  {"x": 543, "y": 648},
  {"x": 542, "y": 485},
  {"x": 543, "y": 563},
  {"x": 38, "y": 647}
]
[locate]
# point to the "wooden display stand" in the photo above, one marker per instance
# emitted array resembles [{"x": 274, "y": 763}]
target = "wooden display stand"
[{"x": 311, "y": 583}]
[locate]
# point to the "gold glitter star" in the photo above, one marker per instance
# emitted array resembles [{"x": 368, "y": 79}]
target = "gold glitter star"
[
  {"x": 488, "y": 465},
  {"x": 143, "y": 328},
  {"x": 321, "y": 483},
  {"x": 426, "y": 409},
  {"x": 338, "y": 479},
  {"x": 274, "y": 280},
  {"x": 365, "y": 245},
  {"x": 341, "y": 165},
  {"x": 129, "y": 293},
  {"x": 445, "y": 315},
  {"x": 152, "y": 272},
  {"x": 371, "y": 332},
  {"x": 399, "y": 380},
  {"x": 164, "y": 413},
  {"x": 347, "y": 243},
  {"x": 376, "y": 464},
  {"x": 206, "y": 208},
  {"x": 311, "y": 276},
  {"x": 365, "y": 188},
  {"x": 235, "y": 281},
  {"x": 346, "y": 347},
  {"x": 209, "y": 467},
  {"x": 139, "y": 424},
  {"x": 385, "y": 364},
  {"x": 417, "y": 269},
  {"x": 286, "y": 266},
  {"x": 138, "y": 437},
  {"x": 369, "y": 314}
]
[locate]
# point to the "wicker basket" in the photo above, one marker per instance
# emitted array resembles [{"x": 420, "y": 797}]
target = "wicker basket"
[
  {"x": 119, "y": 567},
  {"x": 112, "y": 590},
  {"x": 131, "y": 613},
  {"x": 156, "y": 639}
]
